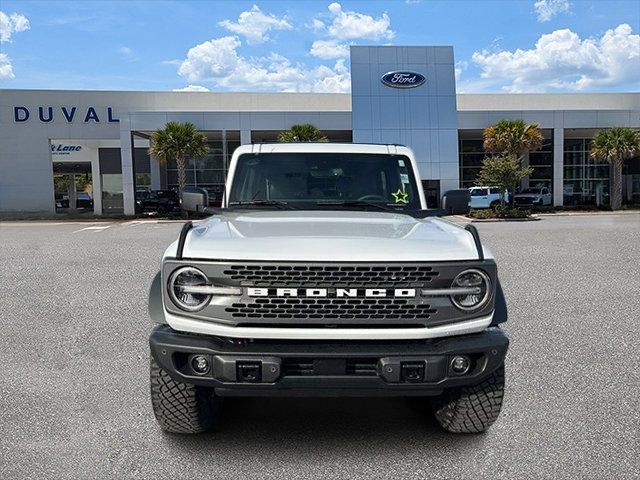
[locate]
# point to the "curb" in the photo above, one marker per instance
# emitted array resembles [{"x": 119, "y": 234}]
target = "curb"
[{"x": 488, "y": 220}]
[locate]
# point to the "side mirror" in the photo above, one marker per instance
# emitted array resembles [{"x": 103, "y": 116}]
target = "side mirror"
[
  {"x": 194, "y": 199},
  {"x": 456, "y": 202}
]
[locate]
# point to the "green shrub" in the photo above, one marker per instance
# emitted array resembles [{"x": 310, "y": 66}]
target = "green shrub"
[{"x": 506, "y": 212}]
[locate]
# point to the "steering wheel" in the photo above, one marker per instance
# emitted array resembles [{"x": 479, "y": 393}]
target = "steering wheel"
[{"x": 372, "y": 197}]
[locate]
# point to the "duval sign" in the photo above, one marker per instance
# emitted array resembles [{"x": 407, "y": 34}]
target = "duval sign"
[
  {"x": 403, "y": 79},
  {"x": 47, "y": 114}
]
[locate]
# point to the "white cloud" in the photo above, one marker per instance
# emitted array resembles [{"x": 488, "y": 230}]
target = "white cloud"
[
  {"x": 563, "y": 61},
  {"x": 6, "y": 69},
  {"x": 353, "y": 25},
  {"x": 218, "y": 61},
  {"x": 10, "y": 24},
  {"x": 317, "y": 25},
  {"x": 547, "y": 9},
  {"x": 460, "y": 67},
  {"x": 192, "y": 88},
  {"x": 254, "y": 25},
  {"x": 347, "y": 26},
  {"x": 329, "y": 49},
  {"x": 127, "y": 53},
  {"x": 211, "y": 59}
]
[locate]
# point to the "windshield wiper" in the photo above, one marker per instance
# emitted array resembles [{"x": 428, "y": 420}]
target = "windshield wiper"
[
  {"x": 353, "y": 203},
  {"x": 262, "y": 203}
]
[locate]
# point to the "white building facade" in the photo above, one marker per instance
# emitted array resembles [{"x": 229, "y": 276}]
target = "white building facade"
[{"x": 67, "y": 150}]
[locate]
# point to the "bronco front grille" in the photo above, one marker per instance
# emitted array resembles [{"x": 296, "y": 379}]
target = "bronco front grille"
[
  {"x": 337, "y": 276},
  {"x": 331, "y": 308}
]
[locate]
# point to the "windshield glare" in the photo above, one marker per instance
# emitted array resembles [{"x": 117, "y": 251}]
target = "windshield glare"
[{"x": 309, "y": 180}]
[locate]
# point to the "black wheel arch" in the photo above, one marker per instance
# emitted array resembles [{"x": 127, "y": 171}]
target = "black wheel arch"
[
  {"x": 156, "y": 310},
  {"x": 500, "y": 314}
]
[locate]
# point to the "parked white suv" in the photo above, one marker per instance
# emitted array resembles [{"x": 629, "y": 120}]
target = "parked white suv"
[
  {"x": 323, "y": 273},
  {"x": 533, "y": 196},
  {"x": 486, "y": 197}
]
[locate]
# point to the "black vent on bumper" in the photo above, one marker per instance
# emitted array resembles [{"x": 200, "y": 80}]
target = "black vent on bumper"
[{"x": 306, "y": 367}]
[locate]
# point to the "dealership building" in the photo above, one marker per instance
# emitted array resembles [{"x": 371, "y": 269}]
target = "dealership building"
[{"x": 64, "y": 150}]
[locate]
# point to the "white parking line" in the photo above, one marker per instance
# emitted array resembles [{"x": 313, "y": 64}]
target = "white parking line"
[{"x": 95, "y": 229}]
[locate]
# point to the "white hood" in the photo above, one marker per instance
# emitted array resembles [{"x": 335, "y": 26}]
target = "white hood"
[{"x": 325, "y": 236}]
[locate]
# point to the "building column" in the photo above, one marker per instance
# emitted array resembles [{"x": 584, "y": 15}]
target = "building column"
[
  {"x": 126, "y": 163},
  {"x": 96, "y": 184},
  {"x": 558, "y": 166},
  {"x": 154, "y": 167},
  {"x": 73, "y": 193},
  {"x": 245, "y": 137}
]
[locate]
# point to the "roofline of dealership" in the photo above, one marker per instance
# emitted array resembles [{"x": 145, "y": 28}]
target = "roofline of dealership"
[{"x": 303, "y": 101}]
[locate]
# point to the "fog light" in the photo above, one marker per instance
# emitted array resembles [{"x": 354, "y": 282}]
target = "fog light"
[
  {"x": 460, "y": 364},
  {"x": 200, "y": 364}
]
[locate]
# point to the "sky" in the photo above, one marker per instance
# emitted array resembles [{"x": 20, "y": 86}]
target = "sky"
[{"x": 507, "y": 46}]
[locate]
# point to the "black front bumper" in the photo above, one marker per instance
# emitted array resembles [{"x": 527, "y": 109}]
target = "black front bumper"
[{"x": 321, "y": 368}]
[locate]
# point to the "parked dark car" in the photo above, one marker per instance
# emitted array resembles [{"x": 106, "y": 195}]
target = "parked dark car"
[
  {"x": 215, "y": 198},
  {"x": 160, "y": 201},
  {"x": 84, "y": 200},
  {"x": 62, "y": 200}
]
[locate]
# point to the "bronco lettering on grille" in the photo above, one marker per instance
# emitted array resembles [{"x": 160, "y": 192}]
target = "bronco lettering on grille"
[{"x": 332, "y": 292}]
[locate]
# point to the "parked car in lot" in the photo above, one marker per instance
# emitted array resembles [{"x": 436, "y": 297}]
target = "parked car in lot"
[
  {"x": 160, "y": 201},
  {"x": 215, "y": 198},
  {"x": 62, "y": 200},
  {"x": 84, "y": 200},
  {"x": 486, "y": 197},
  {"x": 533, "y": 196}
]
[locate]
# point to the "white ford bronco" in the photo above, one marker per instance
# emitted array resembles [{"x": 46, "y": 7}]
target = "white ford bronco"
[{"x": 324, "y": 274}]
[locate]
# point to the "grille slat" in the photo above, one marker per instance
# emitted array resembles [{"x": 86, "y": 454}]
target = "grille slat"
[
  {"x": 371, "y": 308},
  {"x": 331, "y": 276}
]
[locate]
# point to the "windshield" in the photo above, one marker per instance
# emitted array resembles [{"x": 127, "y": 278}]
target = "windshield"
[
  {"x": 318, "y": 180},
  {"x": 531, "y": 190}
]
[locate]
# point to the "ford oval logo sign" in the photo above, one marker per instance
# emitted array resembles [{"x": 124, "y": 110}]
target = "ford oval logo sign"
[{"x": 402, "y": 79}]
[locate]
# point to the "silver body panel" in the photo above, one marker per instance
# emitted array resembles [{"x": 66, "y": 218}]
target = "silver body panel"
[{"x": 324, "y": 236}]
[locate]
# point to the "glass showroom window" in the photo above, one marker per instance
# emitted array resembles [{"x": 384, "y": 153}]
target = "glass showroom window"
[
  {"x": 635, "y": 188},
  {"x": 586, "y": 181},
  {"x": 112, "y": 194},
  {"x": 542, "y": 163},
  {"x": 209, "y": 172},
  {"x": 471, "y": 156}
]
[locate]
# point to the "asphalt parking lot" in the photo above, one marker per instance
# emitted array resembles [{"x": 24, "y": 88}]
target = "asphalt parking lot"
[{"x": 74, "y": 397}]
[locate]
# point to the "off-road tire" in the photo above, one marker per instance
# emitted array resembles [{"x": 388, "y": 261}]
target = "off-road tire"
[
  {"x": 182, "y": 407},
  {"x": 471, "y": 409},
  {"x": 495, "y": 205}
]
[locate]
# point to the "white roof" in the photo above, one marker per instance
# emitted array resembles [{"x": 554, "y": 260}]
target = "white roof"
[{"x": 324, "y": 147}]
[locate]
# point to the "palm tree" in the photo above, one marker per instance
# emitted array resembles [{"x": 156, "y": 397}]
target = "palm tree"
[
  {"x": 302, "y": 133},
  {"x": 513, "y": 139},
  {"x": 178, "y": 141},
  {"x": 615, "y": 145}
]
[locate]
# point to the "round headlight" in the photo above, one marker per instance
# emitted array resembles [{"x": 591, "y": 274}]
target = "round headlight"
[
  {"x": 180, "y": 292},
  {"x": 478, "y": 285}
]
